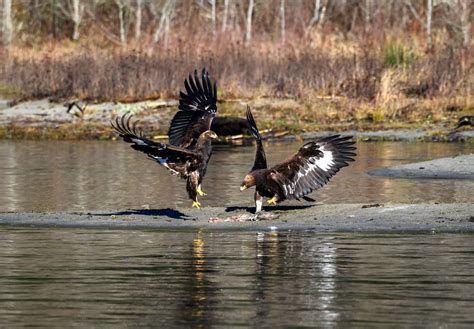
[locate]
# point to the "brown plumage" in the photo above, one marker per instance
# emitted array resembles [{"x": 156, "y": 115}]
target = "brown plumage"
[
  {"x": 189, "y": 148},
  {"x": 307, "y": 170}
]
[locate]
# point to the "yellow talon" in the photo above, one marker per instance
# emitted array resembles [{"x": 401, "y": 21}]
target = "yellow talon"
[
  {"x": 272, "y": 201},
  {"x": 196, "y": 204},
  {"x": 200, "y": 192}
]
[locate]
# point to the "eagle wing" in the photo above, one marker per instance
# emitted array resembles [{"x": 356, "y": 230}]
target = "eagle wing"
[
  {"x": 313, "y": 165},
  {"x": 197, "y": 108},
  {"x": 260, "y": 158},
  {"x": 166, "y": 155}
]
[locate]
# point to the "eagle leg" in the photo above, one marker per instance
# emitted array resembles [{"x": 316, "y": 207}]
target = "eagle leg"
[
  {"x": 258, "y": 202},
  {"x": 273, "y": 201},
  {"x": 200, "y": 191},
  {"x": 196, "y": 204}
]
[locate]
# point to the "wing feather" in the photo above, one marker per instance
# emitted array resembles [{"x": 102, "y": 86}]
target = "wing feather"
[
  {"x": 163, "y": 153},
  {"x": 197, "y": 108},
  {"x": 314, "y": 164}
]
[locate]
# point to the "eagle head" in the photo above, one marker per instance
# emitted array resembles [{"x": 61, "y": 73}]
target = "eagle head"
[
  {"x": 249, "y": 181},
  {"x": 209, "y": 134}
]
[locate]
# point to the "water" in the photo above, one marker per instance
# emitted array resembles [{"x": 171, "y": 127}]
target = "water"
[
  {"x": 86, "y": 278},
  {"x": 82, "y": 176}
]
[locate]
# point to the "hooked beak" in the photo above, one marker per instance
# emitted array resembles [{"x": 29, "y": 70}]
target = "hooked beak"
[
  {"x": 242, "y": 188},
  {"x": 213, "y": 135}
]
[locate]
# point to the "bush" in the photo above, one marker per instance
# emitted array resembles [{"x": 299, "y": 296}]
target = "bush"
[{"x": 397, "y": 55}]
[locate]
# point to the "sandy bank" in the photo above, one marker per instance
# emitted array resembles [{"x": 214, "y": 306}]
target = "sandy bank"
[
  {"x": 459, "y": 167},
  {"x": 323, "y": 218}
]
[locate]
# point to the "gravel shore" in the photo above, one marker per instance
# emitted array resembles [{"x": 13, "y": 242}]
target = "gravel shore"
[{"x": 459, "y": 167}]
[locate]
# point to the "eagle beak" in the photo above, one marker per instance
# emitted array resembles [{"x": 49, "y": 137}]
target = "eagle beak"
[
  {"x": 243, "y": 187},
  {"x": 213, "y": 135}
]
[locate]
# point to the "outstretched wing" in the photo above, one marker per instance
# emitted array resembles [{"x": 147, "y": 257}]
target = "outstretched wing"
[
  {"x": 313, "y": 165},
  {"x": 197, "y": 108},
  {"x": 260, "y": 158},
  {"x": 166, "y": 155}
]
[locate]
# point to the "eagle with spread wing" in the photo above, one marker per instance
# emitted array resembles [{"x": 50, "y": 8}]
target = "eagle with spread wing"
[
  {"x": 189, "y": 148},
  {"x": 307, "y": 170}
]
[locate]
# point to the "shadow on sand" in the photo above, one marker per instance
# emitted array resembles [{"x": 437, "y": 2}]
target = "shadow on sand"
[{"x": 167, "y": 212}]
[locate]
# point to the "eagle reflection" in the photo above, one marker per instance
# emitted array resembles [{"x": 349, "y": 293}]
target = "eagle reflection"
[{"x": 197, "y": 307}]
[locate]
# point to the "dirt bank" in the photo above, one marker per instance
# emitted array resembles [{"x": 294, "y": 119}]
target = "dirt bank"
[
  {"x": 42, "y": 119},
  {"x": 324, "y": 218}
]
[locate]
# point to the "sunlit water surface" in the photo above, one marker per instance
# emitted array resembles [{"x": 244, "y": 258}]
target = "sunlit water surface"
[
  {"x": 36, "y": 175},
  {"x": 84, "y": 278}
]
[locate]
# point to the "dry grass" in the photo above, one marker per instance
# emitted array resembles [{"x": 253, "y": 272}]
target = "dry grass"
[{"x": 310, "y": 83}]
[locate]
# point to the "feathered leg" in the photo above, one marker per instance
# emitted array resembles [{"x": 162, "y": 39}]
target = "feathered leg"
[
  {"x": 191, "y": 187},
  {"x": 200, "y": 191},
  {"x": 258, "y": 202}
]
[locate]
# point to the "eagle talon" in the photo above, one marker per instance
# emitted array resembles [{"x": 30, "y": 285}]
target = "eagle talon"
[
  {"x": 272, "y": 201},
  {"x": 196, "y": 204},
  {"x": 200, "y": 192}
]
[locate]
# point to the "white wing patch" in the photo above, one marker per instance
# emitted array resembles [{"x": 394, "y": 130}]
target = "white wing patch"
[
  {"x": 326, "y": 162},
  {"x": 164, "y": 163},
  {"x": 138, "y": 141}
]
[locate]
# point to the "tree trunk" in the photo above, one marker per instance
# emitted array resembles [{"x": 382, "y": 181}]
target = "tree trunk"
[
  {"x": 465, "y": 23},
  {"x": 282, "y": 20},
  {"x": 77, "y": 11},
  {"x": 163, "y": 28},
  {"x": 213, "y": 16},
  {"x": 429, "y": 15},
  {"x": 7, "y": 22},
  {"x": 138, "y": 20},
  {"x": 367, "y": 15},
  {"x": 123, "y": 34},
  {"x": 225, "y": 15},
  {"x": 248, "y": 33},
  {"x": 316, "y": 13}
]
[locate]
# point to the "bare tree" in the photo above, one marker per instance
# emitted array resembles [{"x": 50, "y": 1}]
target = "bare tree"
[
  {"x": 74, "y": 10},
  {"x": 7, "y": 25},
  {"x": 138, "y": 19},
  {"x": 427, "y": 24},
  {"x": 367, "y": 15},
  {"x": 282, "y": 20},
  {"x": 213, "y": 16},
  {"x": 248, "y": 33},
  {"x": 163, "y": 27},
  {"x": 122, "y": 6},
  {"x": 318, "y": 13},
  {"x": 429, "y": 16},
  {"x": 225, "y": 15},
  {"x": 465, "y": 22}
]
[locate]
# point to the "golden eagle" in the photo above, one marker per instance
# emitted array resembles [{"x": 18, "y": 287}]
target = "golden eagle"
[
  {"x": 189, "y": 148},
  {"x": 307, "y": 170}
]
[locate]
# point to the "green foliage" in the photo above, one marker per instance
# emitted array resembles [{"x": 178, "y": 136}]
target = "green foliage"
[{"x": 397, "y": 55}]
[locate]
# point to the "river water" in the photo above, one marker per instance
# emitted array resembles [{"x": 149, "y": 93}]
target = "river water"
[
  {"x": 67, "y": 278},
  {"x": 84, "y": 176},
  {"x": 84, "y": 278}
]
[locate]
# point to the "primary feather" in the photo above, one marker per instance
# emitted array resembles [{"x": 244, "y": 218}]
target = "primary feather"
[{"x": 197, "y": 108}]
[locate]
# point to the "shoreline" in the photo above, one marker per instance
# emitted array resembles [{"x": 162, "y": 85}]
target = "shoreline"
[
  {"x": 388, "y": 218},
  {"x": 44, "y": 120}
]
